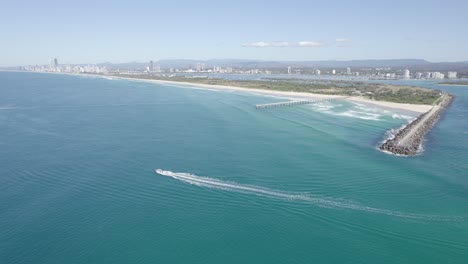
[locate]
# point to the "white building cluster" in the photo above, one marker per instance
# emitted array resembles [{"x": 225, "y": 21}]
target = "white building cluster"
[
  {"x": 430, "y": 75},
  {"x": 152, "y": 67},
  {"x": 66, "y": 69},
  {"x": 452, "y": 75}
]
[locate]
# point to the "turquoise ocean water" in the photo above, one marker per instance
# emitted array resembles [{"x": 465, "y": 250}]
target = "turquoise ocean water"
[{"x": 303, "y": 184}]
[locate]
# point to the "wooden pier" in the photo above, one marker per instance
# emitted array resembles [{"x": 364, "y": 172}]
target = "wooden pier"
[{"x": 295, "y": 102}]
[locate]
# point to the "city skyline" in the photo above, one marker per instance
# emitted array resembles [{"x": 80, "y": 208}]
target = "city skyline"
[
  {"x": 88, "y": 32},
  {"x": 375, "y": 73}
]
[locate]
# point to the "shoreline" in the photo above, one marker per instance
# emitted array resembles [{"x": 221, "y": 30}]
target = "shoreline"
[
  {"x": 452, "y": 84},
  {"x": 413, "y": 108},
  {"x": 416, "y": 109}
]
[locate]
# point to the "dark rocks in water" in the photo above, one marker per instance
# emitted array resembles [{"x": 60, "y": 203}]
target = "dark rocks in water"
[{"x": 409, "y": 139}]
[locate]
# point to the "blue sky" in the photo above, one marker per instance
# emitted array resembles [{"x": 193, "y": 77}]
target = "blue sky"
[{"x": 33, "y": 32}]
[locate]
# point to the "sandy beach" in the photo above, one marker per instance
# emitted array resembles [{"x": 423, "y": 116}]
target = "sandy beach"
[
  {"x": 415, "y": 108},
  {"x": 407, "y": 107},
  {"x": 297, "y": 95}
]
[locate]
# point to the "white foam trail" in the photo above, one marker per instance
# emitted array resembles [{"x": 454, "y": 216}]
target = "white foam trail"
[{"x": 308, "y": 198}]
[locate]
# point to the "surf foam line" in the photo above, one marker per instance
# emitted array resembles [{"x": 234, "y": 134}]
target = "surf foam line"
[{"x": 307, "y": 198}]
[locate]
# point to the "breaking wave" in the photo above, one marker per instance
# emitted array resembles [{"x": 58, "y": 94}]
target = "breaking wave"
[
  {"x": 360, "y": 115},
  {"x": 357, "y": 110},
  {"x": 302, "y": 197}
]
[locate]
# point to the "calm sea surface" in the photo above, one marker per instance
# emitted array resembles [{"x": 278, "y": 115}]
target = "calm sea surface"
[{"x": 303, "y": 184}]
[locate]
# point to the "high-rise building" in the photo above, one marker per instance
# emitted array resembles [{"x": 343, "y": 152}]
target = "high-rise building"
[
  {"x": 151, "y": 66},
  {"x": 406, "y": 74},
  {"x": 437, "y": 75},
  {"x": 418, "y": 75},
  {"x": 200, "y": 67},
  {"x": 317, "y": 72},
  {"x": 55, "y": 63},
  {"x": 333, "y": 72},
  {"x": 348, "y": 71},
  {"x": 289, "y": 69},
  {"x": 452, "y": 75}
]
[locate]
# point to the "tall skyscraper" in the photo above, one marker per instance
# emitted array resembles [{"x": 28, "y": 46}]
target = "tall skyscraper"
[
  {"x": 200, "y": 67},
  {"x": 406, "y": 74},
  {"x": 348, "y": 71},
  {"x": 55, "y": 63},
  {"x": 289, "y": 69},
  {"x": 151, "y": 66}
]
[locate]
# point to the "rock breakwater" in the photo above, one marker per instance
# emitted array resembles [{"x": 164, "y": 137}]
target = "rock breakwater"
[{"x": 408, "y": 140}]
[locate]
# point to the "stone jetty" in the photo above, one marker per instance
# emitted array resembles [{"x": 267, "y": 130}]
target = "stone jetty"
[{"x": 408, "y": 140}]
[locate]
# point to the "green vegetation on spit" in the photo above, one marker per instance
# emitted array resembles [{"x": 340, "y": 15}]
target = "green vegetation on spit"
[{"x": 373, "y": 91}]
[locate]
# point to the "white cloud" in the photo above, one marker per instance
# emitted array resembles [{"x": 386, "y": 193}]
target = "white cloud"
[
  {"x": 310, "y": 44},
  {"x": 342, "y": 40},
  {"x": 283, "y": 44},
  {"x": 260, "y": 44}
]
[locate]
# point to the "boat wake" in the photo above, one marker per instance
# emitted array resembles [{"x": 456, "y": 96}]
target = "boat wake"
[{"x": 307, "y": 198}]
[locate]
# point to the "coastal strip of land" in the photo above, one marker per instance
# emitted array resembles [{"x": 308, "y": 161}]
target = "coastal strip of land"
[
  {"x": 311, "y": 94},
  {"x": 416, "y": 108},
  {"x": 408, "y": 141},
  {"x": 391, "y": 97},
  {"x": 454, "y": 83}
]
